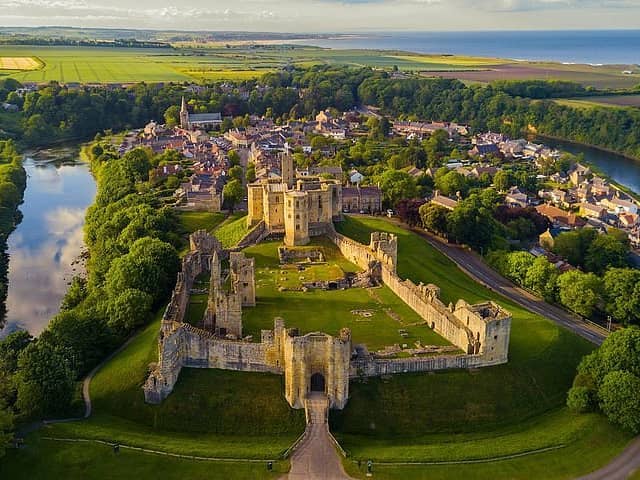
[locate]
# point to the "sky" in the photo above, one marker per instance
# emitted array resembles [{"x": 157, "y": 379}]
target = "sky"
[{"x": 312, "y": 16}]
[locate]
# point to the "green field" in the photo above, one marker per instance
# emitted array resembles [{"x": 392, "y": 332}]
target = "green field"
[
  {"x": 231, "y": 231},
  {"x": 242, "y": 62},
  {"x": 329, "y": 310},
  {"x": 607, "y": 101},
  {"x": 47, "y": 459},
  {"x": 192, "y": 221}
]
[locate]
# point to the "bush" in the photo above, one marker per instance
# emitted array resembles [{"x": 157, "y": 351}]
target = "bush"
[
  {"x": 580, "y": 399},
  {"x": 620, "y": 399}
]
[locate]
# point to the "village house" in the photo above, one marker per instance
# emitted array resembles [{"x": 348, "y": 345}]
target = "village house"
[
  {"x": 579, "y": 174},
  {"x": 362, "y": 199},
  {"x": 591, "y": 210},
  {"x": 559, "y": 217},
  {"x": 515, "y": 198},
  {"x": 443, "y": 201},
  {"x": 619, "y": 205}
]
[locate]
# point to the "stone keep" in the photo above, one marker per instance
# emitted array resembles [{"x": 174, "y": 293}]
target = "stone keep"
[{"x": 298, "y": 208}]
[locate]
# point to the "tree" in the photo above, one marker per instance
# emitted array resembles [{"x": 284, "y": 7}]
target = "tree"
[
  {"x": 44, "y": 381},
  {"x": 620, "y": 399},
  {"x": 236, "y": 173},
  {"x": 541, "y": 277},
  {"x": 622, "y": 294},
  {"x": 251, "y": 172},
  {"x": 150, "y": 266},
  {"x": 76, "y": 292},
  {"x": 128, "y": 310},
  {"x": 434, "y": 218},
  {"x": 408, "y": 211},
  {"x": 574, "y": 245},
  {"x": 232, "y": 193},
  {"x": 6, "y": 429},
  {"x": 580, "y": 399},
  {"x": 472, "y": 222},
  {"x": 396, "y": 185},
  {"x": 503, "y": 180},
  {"x": 172, "y": 116},
  {"x": 518, "y": 265},
  {"x": 234, "y": 158},
  {"x": 579, "y": 291},
  {"x": 452, "y": 183},
  {"x": 606, "y": 251}
]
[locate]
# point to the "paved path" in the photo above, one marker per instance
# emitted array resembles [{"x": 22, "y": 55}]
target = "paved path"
[
  {"x": 621, "y": 467},
  {"x": 474, "y": 265},
  {"x": 316, "y": 458}
]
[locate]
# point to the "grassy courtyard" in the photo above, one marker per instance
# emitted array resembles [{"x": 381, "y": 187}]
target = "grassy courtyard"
[{"x": 374, "y": 315}]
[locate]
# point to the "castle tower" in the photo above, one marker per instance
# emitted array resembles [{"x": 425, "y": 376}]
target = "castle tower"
[
  {"x": 286, "y": 167},
  {"x": 184, "y": 115},
  {"x": 296, "y": 218}
]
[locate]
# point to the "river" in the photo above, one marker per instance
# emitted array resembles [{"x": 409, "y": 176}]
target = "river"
[
  {"x": 622, "y": 170},
  {"x": 44, "y": 249}
]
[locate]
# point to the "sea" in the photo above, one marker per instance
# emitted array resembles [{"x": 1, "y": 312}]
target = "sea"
[{"x": 596, "y": 47}]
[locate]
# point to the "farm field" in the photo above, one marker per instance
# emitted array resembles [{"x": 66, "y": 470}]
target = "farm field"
[
  {"x": 243, "y": 62},
  {"x": 603, "y": 77},
  {"x": 612, "y": 101},
  {"x": 18, "y": 63}
]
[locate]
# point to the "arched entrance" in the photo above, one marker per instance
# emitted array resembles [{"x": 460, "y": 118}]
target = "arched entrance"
[{"x": 317, "y": 382}]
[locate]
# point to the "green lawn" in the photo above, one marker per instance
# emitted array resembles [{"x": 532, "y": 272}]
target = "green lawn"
[
  {"x": 329, "y": 310},
  {"x": 409, "y": 409},
  {"x": 196, "y": 308},
  {"x": 596, "y": 446},
  {"x": 193, "y": 221},
  {"x": 231, "y": 231},
  {"x": 52, "y": 460}
]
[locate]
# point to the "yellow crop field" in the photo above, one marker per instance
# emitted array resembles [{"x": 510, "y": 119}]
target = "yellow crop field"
[{"x": 19, "y": 63}]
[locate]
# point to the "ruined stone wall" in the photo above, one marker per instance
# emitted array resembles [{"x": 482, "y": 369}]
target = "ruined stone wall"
[
  {"x": 373, "y": 367},
  {"x": 438, "y": 316},
  {"x": 482, "y": 330}
]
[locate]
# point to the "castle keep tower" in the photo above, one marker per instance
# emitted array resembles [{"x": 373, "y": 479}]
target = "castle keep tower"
[{"x": 286, "y": 168}]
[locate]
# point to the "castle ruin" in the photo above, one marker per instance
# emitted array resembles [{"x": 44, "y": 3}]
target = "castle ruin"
[{"x": 315, "y": 361}]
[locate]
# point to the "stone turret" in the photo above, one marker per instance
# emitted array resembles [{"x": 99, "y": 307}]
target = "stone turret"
[
  {"x": 286, "y": 168},
  {"x": 385, "y": 247}
]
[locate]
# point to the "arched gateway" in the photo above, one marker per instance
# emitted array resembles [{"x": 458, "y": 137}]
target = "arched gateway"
[{"x": 317, "y": 383}]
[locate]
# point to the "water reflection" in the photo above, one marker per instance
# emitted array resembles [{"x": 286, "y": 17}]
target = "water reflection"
[{"x": 44, "y": 248}]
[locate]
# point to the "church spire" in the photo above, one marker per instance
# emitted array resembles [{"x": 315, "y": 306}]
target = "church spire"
[{"x": 184, "y": 115}]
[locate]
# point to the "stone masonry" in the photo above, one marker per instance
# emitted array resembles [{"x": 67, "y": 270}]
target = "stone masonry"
[{"x": 315, "y": 361}]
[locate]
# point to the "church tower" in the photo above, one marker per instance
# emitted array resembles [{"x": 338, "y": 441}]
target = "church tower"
[{"x": 184, "y": 115}]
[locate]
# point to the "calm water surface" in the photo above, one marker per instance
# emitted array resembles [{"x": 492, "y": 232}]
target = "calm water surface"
[
  {"x": 580, "y": 46},
  {"x": 44, "y": 249}
]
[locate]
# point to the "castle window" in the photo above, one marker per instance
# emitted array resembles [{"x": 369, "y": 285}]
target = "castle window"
[
  {"x": 297, "y": 227},
  {"x": 495, "y": 337},
  {"x": 297, "y": 216}
]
